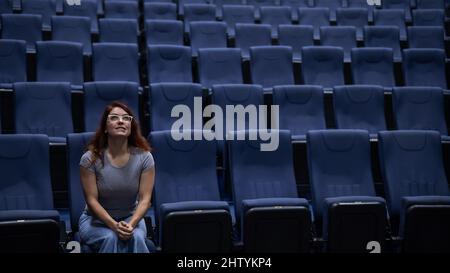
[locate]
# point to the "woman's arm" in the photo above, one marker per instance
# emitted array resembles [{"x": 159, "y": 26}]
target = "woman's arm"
[{"x": 145, "y": 194}]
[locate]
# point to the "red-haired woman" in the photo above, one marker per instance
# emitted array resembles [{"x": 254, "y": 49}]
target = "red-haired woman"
[{"x": 117, "y": 175}]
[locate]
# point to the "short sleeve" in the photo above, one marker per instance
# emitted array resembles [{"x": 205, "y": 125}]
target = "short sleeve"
[
  {"x": 147, "y": 161},
  {"x": 85, "y": 161}
]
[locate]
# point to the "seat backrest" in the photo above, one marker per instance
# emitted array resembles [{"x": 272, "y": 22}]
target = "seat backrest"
[
  {"x": 45, "y": 8},
  {"x": 168, "y": 32},
  {"x": 205, "y": 34},
  {"x": 383, "y": 36},
  {"x": 248, "y": 35},
  {"x": 97, "y": 95},
  {"x": 169, "y": 63},
  {"x": 25, "y": 166},
  {"x": 323, "y": 65},
  {"x": 373, "y": 65},
  {"x": 121, "y": 9},
  {"x": 233, "y": 14},
  {"x": 426, "y": 37},
  {"x": 333, "y": 5},
  {"x": 275, "y": 16},
  {"x": 13, "y": 61},
  {"x": 25, "y": 27},
  {"x": 391, "y": 17},
  {"x": 59, "y": 61},
  {"x": 165, "y": 96},
  {"x": 357, "y": 17},
  {"x": 296, "y": 37},
  {"x": 428, "y": 17},
  {"x": 219, "y": 66},
  {"x": 315, "y": 17},
  {"x": 260, "y": 174},
  {"x": 115, "y": 62},
  {"x": 6, "y": 6},
  {"x": 160, "y": 11},
  {"x": 118, "y": 30},
  {"x": 411, "y": 165},
  {"x": 419, "y": 108},
  {"x": 271, "y": 65},
  {"x": 88, "y": 8},
  {"x": 341, "y": 36},
  {"x": 43, "y": 108},
  {"x": 73, "y": 29},
  {"x": 76, "y": 146},
  {"x": 430, "y": 4},
  {"x": 359, "y": 107},
  {"x": 339, "y": 164},
  {"x": 182, "y": 3},
  {"x": 301, "y": 108},
  {"x": 198, "y": 12},
  {"x": 424, "y": 67}
]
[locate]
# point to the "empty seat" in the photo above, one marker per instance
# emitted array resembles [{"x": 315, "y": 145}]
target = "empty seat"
[
  {"x": 13, "y": 62},
  {"x": 424, "y": 67},
  {"x": 295, "y": 5},
  {"x": 25, "y": 27},
  {"x": 122, "y": 9},
  {"x": 332, "y": 5},
  {"x": 339, "y": 36},
  {"x": 169, "y": 63},
  {"x": 359, "y": 107},
  {"x": 168, "y": 32},
  {"x": 343, "y": 192},
  {"x": 428, "y": 17},
  {"x": 296, "y": 37},
  {"x": 275, "y": 16},
  {"x": 233, "y": 14},
  {"x": 115, "y": 62},
  {"x": 419, "y": 108},
  {"x": 362, "y": 4},
  {"x": 43, "y": 108},
  {"x": 257, "y": 4},
  {"x": 221, "y": 3},
  {"x": 118, "y": 31},
  {"x": 45, "y": 8},
  {"x": 394, "y": 17},
  {"x": 248, "y": 35},
  {"x": 301, "y": 108},
  {"x": 182, "y": 3},
  {"x": 219, "y": 66},
  {"x": 198, "y": 12},
  {"x": 426, "y": 37},
  {"x": 416, "y": 188},
  {"x": 88, "y": 8},
  {"x": 373, "y": 65},
  {"x": 323, "y": 65},
  {"x": 430, "y": 4},
  {"x": 164, "y": 97},
  {"x": 160, "y": 11},
  {"x": 207, "y": 35},
  {"x": 73, "y": 29},
  {"x": 97, "y": 95},
  {"x": 384, "y": 36},
  {"x": 357, "y": 17},
  {"x": 271, "y": 65},
  {"x": 315, "y": 17},
  {"x": 400, "y": 5},
  {"x": 271, "y": 217}
]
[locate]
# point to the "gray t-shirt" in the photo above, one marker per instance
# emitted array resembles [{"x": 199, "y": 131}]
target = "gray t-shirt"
[{"x": 118, "y": 188}]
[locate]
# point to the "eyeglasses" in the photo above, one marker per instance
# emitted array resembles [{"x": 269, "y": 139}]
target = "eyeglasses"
[{"x": 124, "y": 118}]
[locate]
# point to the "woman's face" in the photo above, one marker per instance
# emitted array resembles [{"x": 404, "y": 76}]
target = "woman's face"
[{"x": 118, "y": 122}]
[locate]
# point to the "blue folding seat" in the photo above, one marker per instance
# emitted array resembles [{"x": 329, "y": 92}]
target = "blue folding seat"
[
  {"x": 169, "y": 63},
  {"x": 25, "y": 27},
  {"x": 393, "y": 17},
  {"x": 221, "y": 3},
  {"x": 160, "y": 11},
  {"x": 182, "y": 3},
  {"x": 424, "y": 67},
  {"x": 257, "y": 4},
  {"x": 362, "y": 4},
  {"x": 301, "y": 108},
  {"x": 275, "y": 16},
  {"x": 45, "y": 8},
  {"x": 339, "y": 36},
  {"x": 219, "y": 66},
  {"x": 115, "y": 62},
  {"x": 357, "y": 17},
  {"x": 248, "y": 35},
  {"x": 399, "y": 5},
  {"x": 384, "y": 36},
  {"x": 58, "y": 61},
  {"x": 204, "y": 34},
  {"x": 428, "y": 17},
  {"x": 430, "y": 4},
  {"x": 73, "y": 29},
  {"x": 168, "y": 32},
  {"x": 315, "y": 17},
  {"x": 122, "y": 9},
  {"x": 343, "y": 192},
  {"x": 323, "y": 65},
  {"x": 43, "y": 108},
  {"x": 97, "y": 95},
  {"x": 373, "y": 65},
  {"x": 296, "y": 37},
  {"x": 359, "y": 107},
  {"x": 270, "y": 216},
  {"x": 333, "y": 5},
  {"x": 165, "y": 96},
  {"x": 426, "y": 37},
  {"x": 271, "y": 65},
  {"x": 419, "y": 108},
  {"x": 118, "y": 31},
  {"x": 416, "y": 188},
  {"x": 13, "y": 61},
  {"x": 27, "y": 215},
  {"x": 87, "y": 8},
  {"x": 189, "y": 214},
  {"x": 233, "y": 14},
  {"x": 295, "y": 5},
  {"x": 198, "y": 12}
]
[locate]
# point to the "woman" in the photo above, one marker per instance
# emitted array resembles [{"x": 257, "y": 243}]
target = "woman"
[{"x": 117, "y": 175}]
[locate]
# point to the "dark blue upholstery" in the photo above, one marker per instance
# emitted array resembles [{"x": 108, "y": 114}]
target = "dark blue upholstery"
[
  {"x": 357, "y": 17},
  {"x": 73, "y": 29},
  {"x": 257, "y": 4},
  {"x": 25, "y": 27},
  {"x": 205, "y": 34},
  {"x": 295, "y": 5},
  {"x": 315, "y": 17},
  {"x": 160, "y": 11},
  {"x": 219, "y": 66},
  {"x": 323, "y": 65},
  {"x": 333, "y": 5},
  {"x": 45, "y": 8},
  {"x": 275, "y": 16},
  {"x": 6, "y": 6},
  {"x": 198, "y": 12},
  {"x": 182, "y": 3},
  {"x": 428, "y": 17},
  {"x": 168, "y": 32},
  {"x": 233, "y": 14},
  {"x": 122, "y": 10},
  {"x": 118, "y": 30},
  {"x": 221, "y": 3},
  {"x": 391, "y": 17},
  {"x": 248, "y": 35},
  {"x": 426, "y": 37},
  {"x": 88, "y": 8},
  {"x": 424, "y": 67},
  {"x": 296, "y": 37},
  {"x": 339, "y": 36},
  {"x": 169, "y": 63},
  {"x": 384, "y": 36},
  {"x": 373, "y": 65},
  {"x": 13, "y": 60},
  {"x": 361, "y": 4},
  {"x": 403, "y": 5},
  {"x": 430, "y": 4}
]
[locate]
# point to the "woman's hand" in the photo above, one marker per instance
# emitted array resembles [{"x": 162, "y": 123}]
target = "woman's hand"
[{"x": 124, "y": 230}]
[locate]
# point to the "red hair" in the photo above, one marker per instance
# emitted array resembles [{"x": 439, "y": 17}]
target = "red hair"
[{"x": 100, "y": 141}]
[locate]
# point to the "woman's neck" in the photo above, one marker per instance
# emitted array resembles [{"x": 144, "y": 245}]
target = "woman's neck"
[{"x": 117, "y": 146}]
